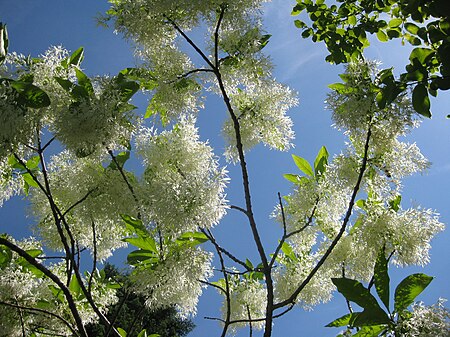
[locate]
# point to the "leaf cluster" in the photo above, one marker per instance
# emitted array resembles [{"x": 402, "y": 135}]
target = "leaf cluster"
[
  {"x": 375, "y": 321},
  {"x": 344, "y": 26}
]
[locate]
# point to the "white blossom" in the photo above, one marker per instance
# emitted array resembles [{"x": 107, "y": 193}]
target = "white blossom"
[
  {"x": 93, "y": 124},
  {"x": 426, "y": 321},
  {"x": 261, "y": 112},
  {"x": 183, "y": 184},
  {"x": 175, "y": 279},
  {"x": 291, "y": 273},
  {"x": 92, "y": 198},
  {"x": 248, "y": 300}
]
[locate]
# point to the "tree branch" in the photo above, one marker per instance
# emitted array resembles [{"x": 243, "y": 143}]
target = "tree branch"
[
  {"x": 54, "y": 278},
  {"x": 362, "y": 170},
  {"x": 35, "y": 311}
]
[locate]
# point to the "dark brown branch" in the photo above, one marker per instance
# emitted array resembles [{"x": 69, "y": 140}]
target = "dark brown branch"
[
  {"x": 54, "y": 278},
  {"x": 122, "y": 173},
  {"x": 36, "y": 311},
  {"x": 240, "y": 209},
  {"x": 216, "y": 36},
  {"x": 48, "y": 144},
  {"x": 227, "y": 286},
  {"x": 287, "y": 236},
  {"x": 250, "y": 326},
  {"x": 223, "y": 250},
  {"x": 212, "y": 285},
  {"x": 188, "y": 40},
  {"x": 79, "y": 201},
  {"x": 94, "y": 262},
  {"x": 190, "y": 72}
]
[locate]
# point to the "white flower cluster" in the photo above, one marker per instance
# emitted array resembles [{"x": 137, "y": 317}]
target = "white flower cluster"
[
  {"x": 174, "y": 280},
  {"x": 174, "y": 97},
  {"x": 17, "y": 124},
  {"x": 24, "y": 287},
  {"x": 426, "y": 321},
  {"x": 92, "y": 124},
  {"x": 46, "y": 70},
  {"x": 291, "y": 273},
  {"x": 183, "y": 184},
  {"x": 261, "y": 112},
  {"x": 354, "y": 107},
  {"x": 318, "y": 205},
  {"x": 247, "y": 301},
  {"x": 92, "y": 196},
  {"x": 10, "y": 184}
]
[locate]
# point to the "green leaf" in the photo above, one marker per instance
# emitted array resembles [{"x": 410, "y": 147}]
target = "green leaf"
[
  {"x": 5, "y": 256},
  {"x": 412, "y": 28},
  {"x": 122, "y": 332},
  {"x": 75, "y": 287},
  {"x": 344, "y": 320},
  {"x": 77, "y": 57},
  {"x": 145, "y": 243},
  {"x": 142, "y": 256},
  {"x": 395, "y": 203},
  {"x": 33, "y": 162},
  {"x": 85, "y": 82},
  {"x": 396, "y": 22},
  {"x": 127, "y": 88},
  {"x": 288, "y": 251},
  {"x": 381, "y": 35},
  {"x": 299, "y": 24},
  {"x": 14, "y": 163},
  {"x": 303, "y": 165},
  {"x": 135, "y": 225},
  {"x": 422, "y": 55},
  {"x": 370, "y": 331},
  {"x": 357, "y": 224},
  {"x": 339, "y": 87},
  {"x": 264, "y": 40},
  {"x": 34, "y": 252},
  {"x": 29, "y": 180},
  {"x": 294, "y": 178},
  {"x": 381, "y": 277},
  {"x": 371, "y": 317},
  {"x": 354, "y": 291},
  {"x": 31, "y": 95},
  {"x": 121, "y": 158},
  {"x": 421, "y": 101},
  {"x": 64, "y": 83},
  {"x": 409, "y": 289},
  {"x": 249, "y": 264},
  {"x": 192, "y": 238},
  {"x": 143, "y": 333},
  {"x": 321, "y": 161}
]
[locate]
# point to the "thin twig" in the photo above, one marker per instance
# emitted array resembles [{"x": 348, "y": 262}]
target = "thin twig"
[
  {"x": 223, "y": 250},
  {"x": 35, "y": 311},
  {"x": 250, "y": 326},
  {"x": 227, "y": 286},
  {"x": 94, "y": 262},
  {"x": 79, "y": 201},
  {"x": 240, "y": 209},
  {"x": 188, "y": 40},
  {"x": 54, "y": 278}
]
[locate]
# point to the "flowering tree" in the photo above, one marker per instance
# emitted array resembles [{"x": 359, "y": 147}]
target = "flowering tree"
[{"x": 67, "y": 138}]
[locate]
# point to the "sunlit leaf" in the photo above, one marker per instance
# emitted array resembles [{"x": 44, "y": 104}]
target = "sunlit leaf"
[{"x": 409, "y": 289}]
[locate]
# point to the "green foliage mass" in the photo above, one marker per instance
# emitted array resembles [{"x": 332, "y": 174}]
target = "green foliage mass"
[{"x": 344, "y": 27}]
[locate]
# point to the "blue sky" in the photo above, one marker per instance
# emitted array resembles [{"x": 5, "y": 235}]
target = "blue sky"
[{"x": 34, "y": 25}]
